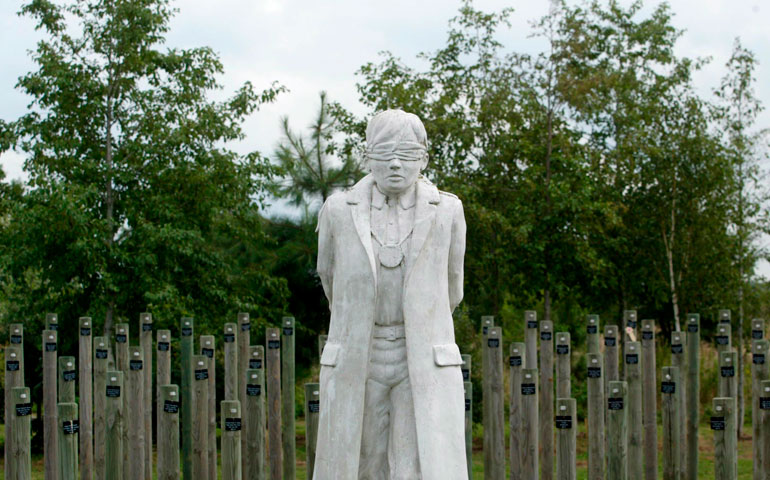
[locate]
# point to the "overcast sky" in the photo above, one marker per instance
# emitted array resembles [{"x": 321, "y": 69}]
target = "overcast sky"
[{"x": 314, "y": 45}]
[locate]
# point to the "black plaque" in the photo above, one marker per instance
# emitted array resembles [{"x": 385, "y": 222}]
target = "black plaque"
[
  {"x": 594, "y": 372},
  {"x": 632, "y": 358},
  {"x": 23, "y": 409},
  {"x": 484, "y": 329},
  {"x": 493, "y": 342},
  {"x": 186, "y": 331},
  {"x": 101, "y": 353},
  {"x": 70, "y": 427},
  {"x": 764, "y": 403},
  {"x": 147, "y": 327},
  {"x": 164, "y": 346},
  {"x": 677, "y": 348},
  {"x": 531, "y": 324},
  {"x": 170, "y": 406},
  {"x": 113, "y": 391},
  {"x": 16, "y": 339},
  {"x": 528, "y": 389},
  {"x": 467, "y": 404},
  {"x": 756, "y": 334},
  {"x": 275, "y": 344},
  {"x": 255, "y": 363},
  {"x": 229, "y": 337},
  {"x": 288, "y": 331},
  {"x": 135, "y": 364},
  {"x": 85, "y": 332},
  {"x": 50, "y": 346},
  {"x": 647, "y": 335},
  {"x": 515, "y": 361},
  {"x": 313, "y": 406},
  {"x": 722, "y": 340},
  {"x": 121, "y": 338},
  {"x": 232, "y": 424},
  {"x": 53, "y": 326},
  {"x": 718, "y": 423},
  {"x": 758, "y": 359},
  {"x": 592, "y": 329},
  {"x": 207, "y": 352},
  {"x": 563, "y": 422},
  {"x": 201, "y": 374},
  {"x": 668, "y": 387},
  {"x": 466, "y": 374},
  {"x": 545, "y": 336},
  {"x": 12, "y": 365},
  {"x": 631, "y": 323},
  {"x": 615, "y": 403},
  {"x": 69, "y": 375},
  {"x": 245, "y": 327},
  {"x": 727, "y": 371},
  {"x": 610, "y": 341},
  {"x": 562, "y": 349},
  {"x": 253, "y": 389},
  {"x": 692, "y": 328}
]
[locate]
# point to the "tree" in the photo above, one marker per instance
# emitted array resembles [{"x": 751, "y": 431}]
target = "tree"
[
  {"x": 134, "y": 200},
  {"x": 737, "y": 113}
]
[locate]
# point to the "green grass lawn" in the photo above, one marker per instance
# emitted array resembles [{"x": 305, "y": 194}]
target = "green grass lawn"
[{"x": 705, "y": 469}]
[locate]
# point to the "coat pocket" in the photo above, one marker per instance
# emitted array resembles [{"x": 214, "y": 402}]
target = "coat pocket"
[
  {"x": 330, "y": 354},
  {"x": 447, "y": 355}
]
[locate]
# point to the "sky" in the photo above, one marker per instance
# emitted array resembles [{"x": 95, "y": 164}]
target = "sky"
[{"x": 311, "y": 45}]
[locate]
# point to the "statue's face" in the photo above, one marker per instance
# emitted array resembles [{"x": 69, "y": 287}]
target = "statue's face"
[{"x": 396, "y": 166}]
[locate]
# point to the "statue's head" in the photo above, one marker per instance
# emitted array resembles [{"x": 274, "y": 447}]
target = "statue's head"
[{"x": 396, "y": 150}]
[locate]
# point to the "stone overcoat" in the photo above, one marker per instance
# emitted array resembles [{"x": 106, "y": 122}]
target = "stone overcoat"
[{"x": 433, "y": 287}]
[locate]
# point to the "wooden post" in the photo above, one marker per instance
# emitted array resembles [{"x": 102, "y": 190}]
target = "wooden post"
[
  {"x": 530, "y": 339},
  {"x": 273, "y": 362},
  {"x": 592, "y": 334},
  {"x": 724, "y": 316},
  {"x": 230, "y": 340},
  {"x": 244, "y": 341},
  {"x": 757, "y": 329},
  {"x": 566, "y": 442},
  {"x": 693, "y": 393},
  {"x": 114, "y": 424},
  {"x": 135, "y": 413},
  {"x": 679, "y": 360},
  {"x": 86, "y": 394},
  {"x": 764, "y": 411},
  {"x": 312, "y": 411},
  {"x": 231, "y": 440},
  {"x": 13, "y": 379},
  {"x": 563, "y": 365},
  {"x": 759, "y": 363},
  {"x": 168, "y": 432},
  {"x": 723, "y": 338},
  {"x": 649, "y": 402},
  {"x": 725, "y": 439},
  {"x": 19, "y": 445},
  {"x": 617, "y": 420},
  {"x": 50, "y": 418},
  {"x": 468, "y": 390},
  {"x": 546, "y": 396},
  {"x": 186, "y": 349},
  {"x": 163, "y": 377},
  {"x": 52, "y": 321},
  {"x": 17, "y": 339},
  {"x": 68, "y": 376},
  {"x": 122, "y": 341},
  {"x": 728, "y": 384},
  {"x": 669, "y": 391},
  {"x": 487, "y": 322},
  {"x": 515, "y": 363},
  {"x": 207, "y": 345},
  {"x": 145, "y": 340},
  {"x": 529, "y": 403},
  {"x": 595, "y": 417},
  {"x": 68, "y": 440},
  {"x": 101, "y": 357},
  {"x": 200, "y": 430},
  {"x": 629, "y": 321},
  {"x": 288, "y": 433},
  {"x": 254, "y": 462},
  {"x": 633, "y": 371},
  {"x": 494, "y": 420}
]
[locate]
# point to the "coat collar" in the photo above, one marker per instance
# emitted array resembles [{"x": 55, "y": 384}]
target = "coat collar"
[{"x": 360, "y": 200}]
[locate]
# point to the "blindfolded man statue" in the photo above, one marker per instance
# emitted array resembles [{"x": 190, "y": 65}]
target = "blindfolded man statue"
[{"x": 390, "y": 257}]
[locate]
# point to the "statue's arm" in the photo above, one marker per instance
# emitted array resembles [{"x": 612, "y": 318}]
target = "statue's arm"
[
  {"x": 457, "y": 257},
  {"x": 325, "y": 264}
]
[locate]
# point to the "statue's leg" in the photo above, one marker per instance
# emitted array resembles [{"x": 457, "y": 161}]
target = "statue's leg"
[
  {"x": 404, "y": 458},
  {"x": 374, "y": 440}
]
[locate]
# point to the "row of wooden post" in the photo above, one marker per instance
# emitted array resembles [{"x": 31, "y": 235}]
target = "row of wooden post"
[
  {"x": 108, "y": 434},
  {"x": 621, "y": 414}
]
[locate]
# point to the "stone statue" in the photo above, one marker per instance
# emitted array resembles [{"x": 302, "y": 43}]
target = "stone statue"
[{"x": 390, "y": 258}]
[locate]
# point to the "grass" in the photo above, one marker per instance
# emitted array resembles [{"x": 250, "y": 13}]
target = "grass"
[{"x": 705, "y": 459}]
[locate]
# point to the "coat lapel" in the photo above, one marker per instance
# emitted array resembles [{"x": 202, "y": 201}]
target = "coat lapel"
[
  {"x": 359, "y": 199},
  {"x": 424, "y": 216}
]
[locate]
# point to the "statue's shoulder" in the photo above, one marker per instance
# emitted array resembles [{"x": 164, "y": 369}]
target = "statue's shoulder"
[{"x": 448, "y": 195}]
